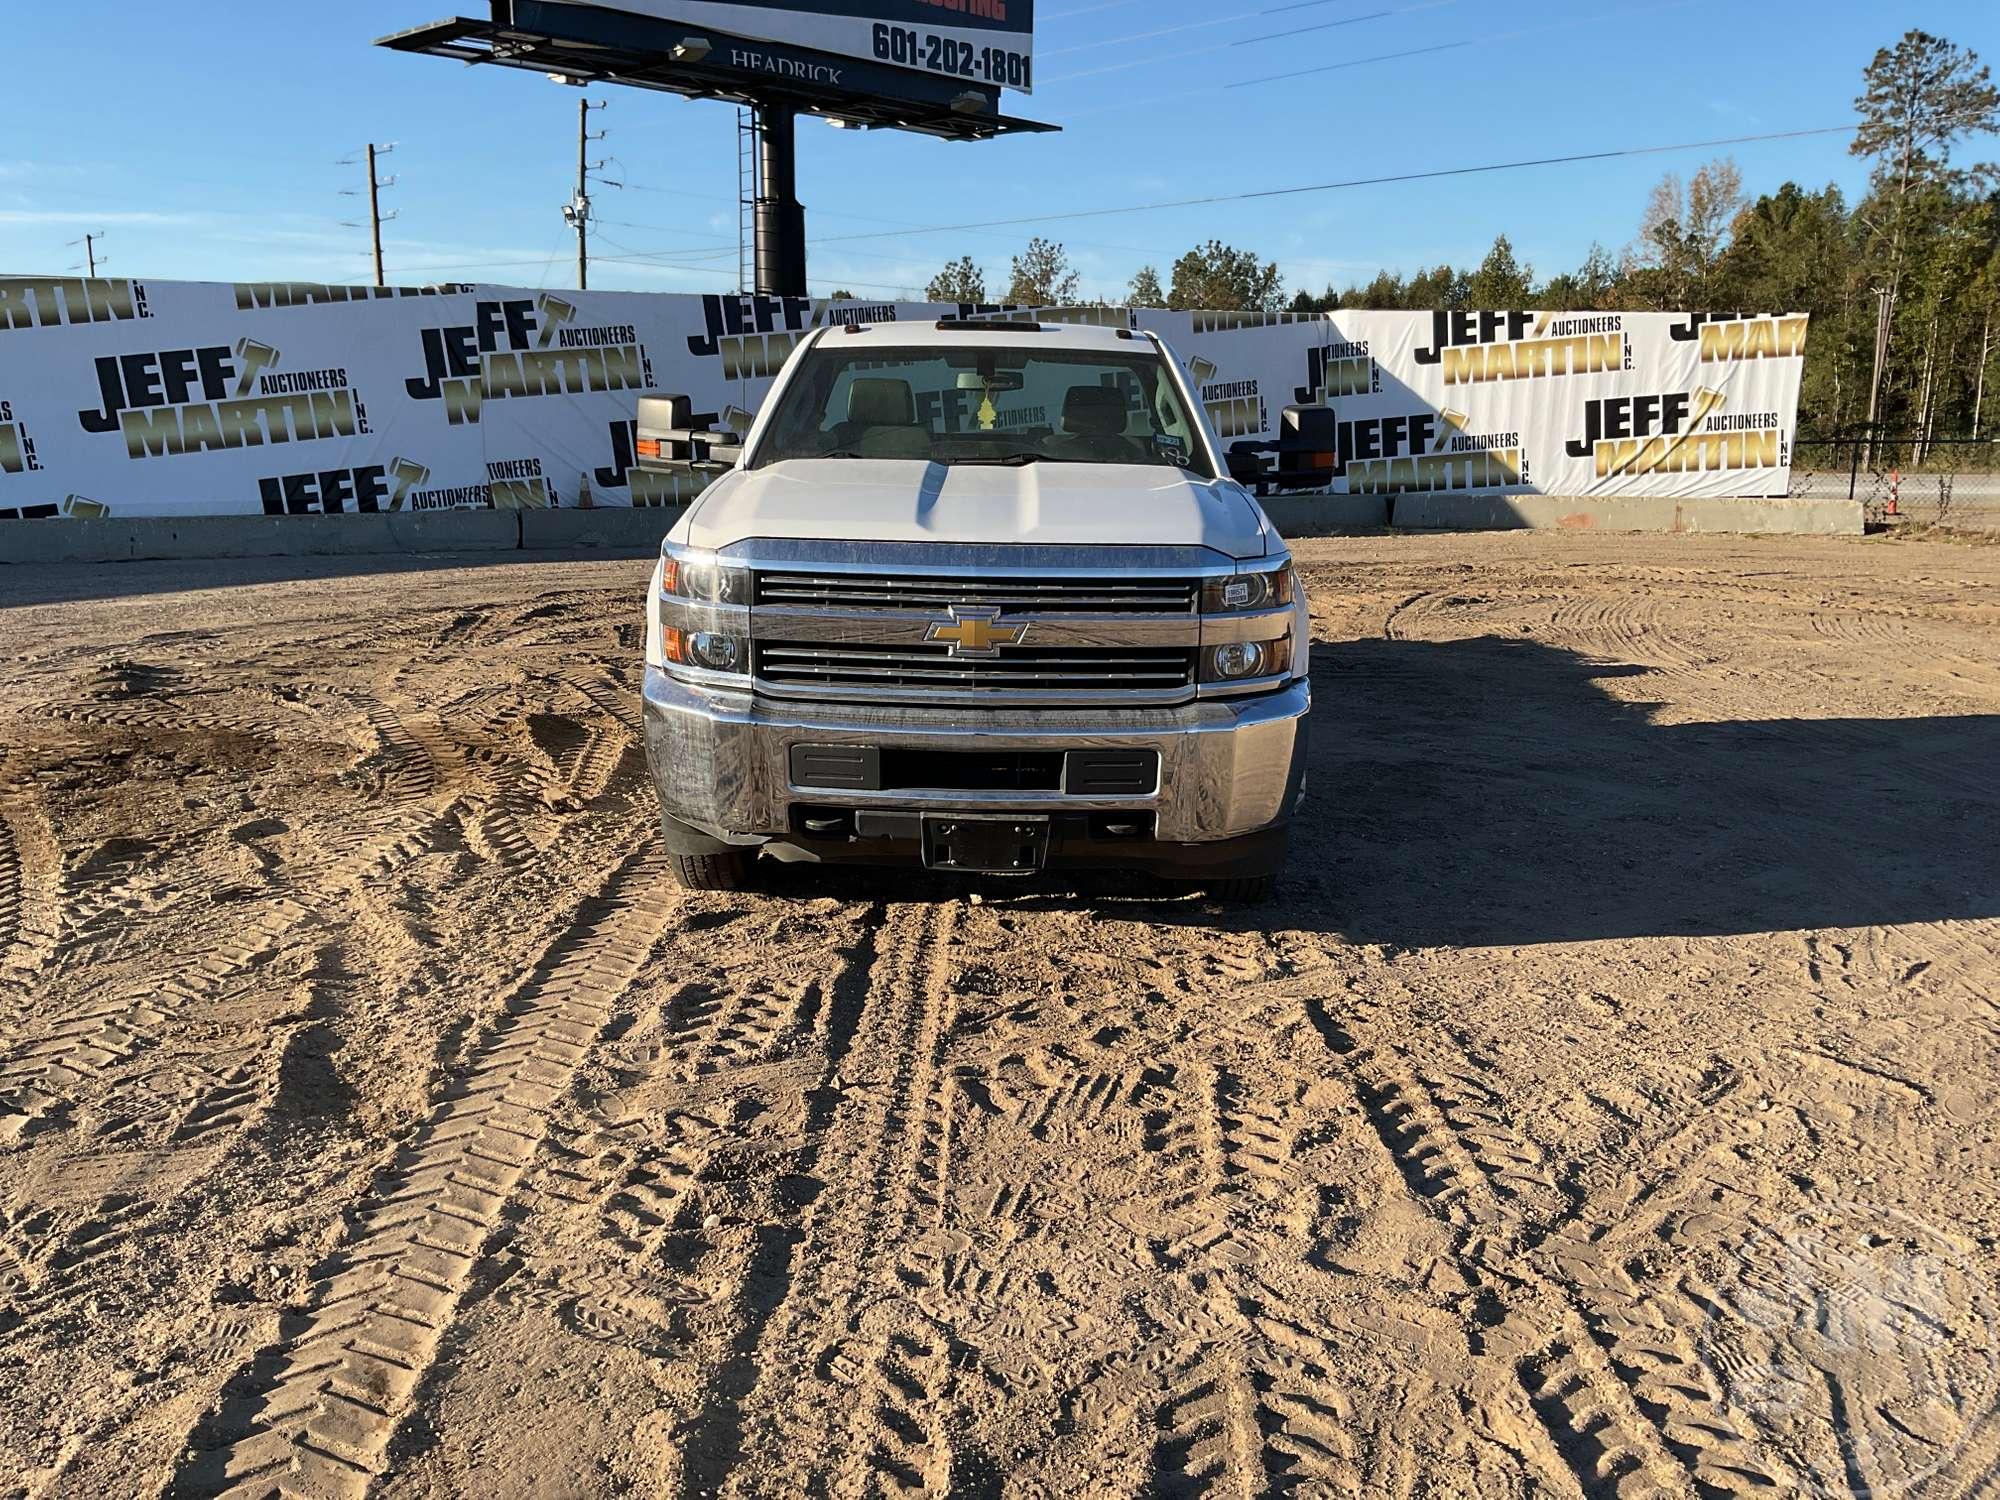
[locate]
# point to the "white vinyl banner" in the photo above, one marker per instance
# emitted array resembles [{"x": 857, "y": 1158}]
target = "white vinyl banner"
[
  {"x": 1597, "y": 404},
  {"x": 197, "y": 398}
]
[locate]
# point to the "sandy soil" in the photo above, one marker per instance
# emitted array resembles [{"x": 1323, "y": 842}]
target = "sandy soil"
[{"x": 1607, "y": 1108}]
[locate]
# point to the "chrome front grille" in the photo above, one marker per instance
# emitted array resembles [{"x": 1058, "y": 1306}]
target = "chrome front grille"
[
  {"x": 931, "y": 673},
  {"x": 1111, "y": 594}
]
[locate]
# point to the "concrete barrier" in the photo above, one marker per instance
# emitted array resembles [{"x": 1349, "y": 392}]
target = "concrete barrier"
[
  {"x": 1321, "y": 515},
  {"x": 637, "y": 530},
  {"x": 111, "y": 539},
  {"x": 141, "y": 538},
  {"x": 1446, "y": 511}
]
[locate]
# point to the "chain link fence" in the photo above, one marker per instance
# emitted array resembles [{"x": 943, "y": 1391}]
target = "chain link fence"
[{"x": 1954, "y": 481}]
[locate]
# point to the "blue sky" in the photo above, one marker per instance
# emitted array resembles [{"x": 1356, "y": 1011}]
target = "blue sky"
[{"x": 203, "y": 137}]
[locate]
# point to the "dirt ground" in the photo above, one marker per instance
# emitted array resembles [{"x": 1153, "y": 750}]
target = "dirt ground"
[{"x": 1607, "y": 1107}]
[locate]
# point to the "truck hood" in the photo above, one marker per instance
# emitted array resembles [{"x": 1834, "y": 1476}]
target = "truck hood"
[{"x": 912, "y": 500}]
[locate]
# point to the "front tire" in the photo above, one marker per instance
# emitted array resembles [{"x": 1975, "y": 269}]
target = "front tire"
[{"x": 727, "y": 870}]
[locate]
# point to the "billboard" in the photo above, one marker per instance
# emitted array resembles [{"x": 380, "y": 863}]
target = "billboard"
[
  {"x": 135, "y": 398},
  {"x": 987, "y": 42}
]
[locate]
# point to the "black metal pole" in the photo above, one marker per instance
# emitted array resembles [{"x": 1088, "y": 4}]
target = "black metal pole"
[{"x": 780, "y": 219}]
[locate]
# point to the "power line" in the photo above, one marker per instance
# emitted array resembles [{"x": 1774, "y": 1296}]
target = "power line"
[
  {"x": 1373, "y": 15},
  {"x": 1358, "y": 182},
  {"x": 1488, "y": 41},
  {"x": 1084, "y": 10},
  {"x": 1280, "y": 192},
  {"x": 1354, "y": 62},
  {"x": 651, "y": 258},
  {"x": 1212, "y": 21},
  {"x": 1245, "y": 83},
  {"x": 1247, "y": 15},
  {"x": 829, "y": 213}
]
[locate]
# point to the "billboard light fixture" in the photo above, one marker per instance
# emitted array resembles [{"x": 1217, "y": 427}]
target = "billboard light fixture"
[
  {"x": 691, "y": 49},
  {"x": 971, "y": 102}
]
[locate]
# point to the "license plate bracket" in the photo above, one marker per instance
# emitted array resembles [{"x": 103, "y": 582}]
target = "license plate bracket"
[{"x": 973, "y": 844}]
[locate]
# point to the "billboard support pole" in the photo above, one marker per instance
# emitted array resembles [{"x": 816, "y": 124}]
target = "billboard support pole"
[{"x": 780, "y": 218}]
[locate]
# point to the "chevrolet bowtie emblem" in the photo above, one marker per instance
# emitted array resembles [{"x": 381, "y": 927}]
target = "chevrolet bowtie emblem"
[{"x": 975, "y": 632}]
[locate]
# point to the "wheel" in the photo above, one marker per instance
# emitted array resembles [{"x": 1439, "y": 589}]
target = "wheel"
[
  {"x": 727, "y": 870},
  {"x": 1244, "y": 890}
]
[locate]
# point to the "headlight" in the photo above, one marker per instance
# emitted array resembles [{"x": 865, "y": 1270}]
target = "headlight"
[
  {"x": 704, "y": 580},
  {"x": 1239, "y": 661},
  {"x": 688, "y": 633},
  {"x": 1271, "y": 589}
]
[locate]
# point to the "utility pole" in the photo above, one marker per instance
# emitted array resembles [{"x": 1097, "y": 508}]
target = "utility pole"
[
  {"x": 376, "y": 218},
  {"x": 89, "y": 243},
  {"x": 375, "y": 211},
  {"x": 1884, "y": 321},
  {"x": 1985, "y": 350},
  {"x": 577, "y": 210}
]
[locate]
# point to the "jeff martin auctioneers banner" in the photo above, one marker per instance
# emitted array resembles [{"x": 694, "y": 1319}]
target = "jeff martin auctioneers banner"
[{"x": 125, "y": 397}]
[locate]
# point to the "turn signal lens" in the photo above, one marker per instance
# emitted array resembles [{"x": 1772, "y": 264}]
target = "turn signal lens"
[
  {"x": 670, "y": 575},
  {"x": 673, "y": 646},
  {"x": 647, "y": 447}
]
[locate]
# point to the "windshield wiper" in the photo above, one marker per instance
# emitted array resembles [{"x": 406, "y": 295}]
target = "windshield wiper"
[{"x": 1011, "y": 460}]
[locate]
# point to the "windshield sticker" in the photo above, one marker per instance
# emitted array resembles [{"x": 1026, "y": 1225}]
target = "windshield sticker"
[{"x": 1172, "y": 448}]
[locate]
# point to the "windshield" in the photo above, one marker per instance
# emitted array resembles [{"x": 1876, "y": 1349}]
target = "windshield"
[{"x": 984, "y": 405}]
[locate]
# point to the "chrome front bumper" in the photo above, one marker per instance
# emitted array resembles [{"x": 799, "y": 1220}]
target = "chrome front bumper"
[{"x": 722, "y": 761}]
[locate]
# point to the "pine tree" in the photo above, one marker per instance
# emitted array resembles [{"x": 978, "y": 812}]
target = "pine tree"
[
  {"x": 959, "y": 281},
  {"x": 1042, "y": 276},
  {"x": 1145, "y": 289},
  {"x": 1221, "y": 277}
]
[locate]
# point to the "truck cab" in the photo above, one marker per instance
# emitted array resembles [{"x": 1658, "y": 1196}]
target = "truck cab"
[{"x": 977, "y": 596}]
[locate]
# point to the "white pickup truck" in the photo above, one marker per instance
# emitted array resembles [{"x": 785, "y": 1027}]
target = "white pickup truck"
[{"x": 980, "y": 596}]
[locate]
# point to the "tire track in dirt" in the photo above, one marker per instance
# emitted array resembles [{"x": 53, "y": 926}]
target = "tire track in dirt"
[
  {"x": 837, "y": 1351},
  {"x": 30, "y": 905},
  {"x": 85, "y": 1045},
  {"x": 613, "y": 1195},
  {"x": 1608, "y": 1372},
  {"x": 1625, "y": 626},
  {"x": 10, "y": 879},
  {"x": 1196, "y": 1192},
  {"x": 315, "y": 1415}
]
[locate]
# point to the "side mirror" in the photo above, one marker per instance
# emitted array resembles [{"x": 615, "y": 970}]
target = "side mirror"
[
  {"x": 668, "y": 442},
  {"x": 1245, "y": 464}
]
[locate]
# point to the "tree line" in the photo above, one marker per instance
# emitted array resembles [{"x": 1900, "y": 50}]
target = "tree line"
[{"x": 1903, "y": 284}]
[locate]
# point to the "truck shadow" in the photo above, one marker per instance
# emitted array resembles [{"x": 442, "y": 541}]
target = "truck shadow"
[{"x": 1490, "y": 792}]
